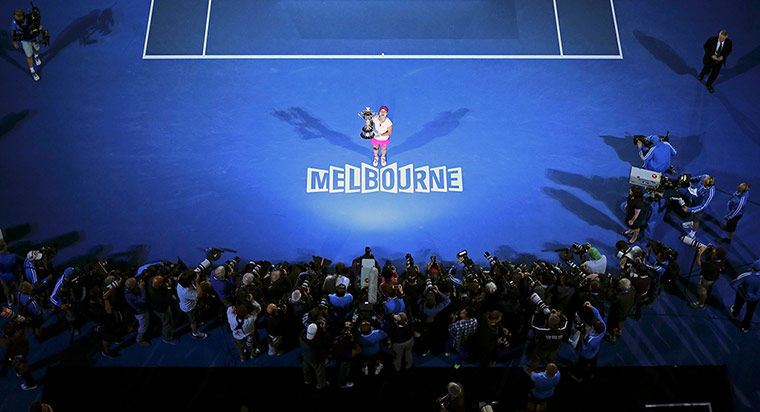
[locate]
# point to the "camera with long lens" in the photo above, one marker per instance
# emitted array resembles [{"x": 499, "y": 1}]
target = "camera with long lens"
[
  {"x": 35, "y": 19},
  {"x": 409, "y": 262},
  {"x": 429, "y": 285},
  {"x": 492, "y": 260},
  {"x": 254, "y": 268},
  {"x": 691, "y": 242},
  {"x": 661, "y": 250},
  {"x": 231, "y": 265},
  {"x": 539, "y": 303},
  {"x": 645, "y": 139}
]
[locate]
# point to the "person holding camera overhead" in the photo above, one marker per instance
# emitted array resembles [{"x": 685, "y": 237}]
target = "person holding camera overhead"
[
  {"x": 383, "y": 129},
  {"x": 28, "y": 36}
]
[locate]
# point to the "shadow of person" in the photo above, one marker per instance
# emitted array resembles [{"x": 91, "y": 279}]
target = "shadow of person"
[
  {"x": 6, "y": 48},
  {"x": 583, "y": 210},
  {"x": 82, "y": 30},
  {"x": 10, "y": 121},
  {"x": 309, "y": 127},
  {"x": 609, "y": 190},
  {"x": 664, "y": 53},
  {"x": 443, "y": 124},
  {"x": 745, "y": 63},
  {"x": 624, "y": 147}
]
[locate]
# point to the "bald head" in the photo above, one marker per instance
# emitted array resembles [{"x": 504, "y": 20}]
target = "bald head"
[{"x": 551, "y": 369}]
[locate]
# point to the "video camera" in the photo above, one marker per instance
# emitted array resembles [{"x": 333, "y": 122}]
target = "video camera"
[
  {"x": 659, "y": 248},
  {"x": 645, "y": 139},
  {"x": 35, "y": 21}
]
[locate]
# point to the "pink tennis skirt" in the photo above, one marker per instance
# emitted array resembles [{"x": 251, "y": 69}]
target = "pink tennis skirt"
[{"x": 381, "y": 143}]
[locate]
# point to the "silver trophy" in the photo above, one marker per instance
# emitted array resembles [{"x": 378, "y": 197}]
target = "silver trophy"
[{"x": 367, "y": 132}]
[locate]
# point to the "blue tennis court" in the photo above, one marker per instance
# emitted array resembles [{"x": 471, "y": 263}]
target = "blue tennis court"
[{"x": 162, "y": 128}]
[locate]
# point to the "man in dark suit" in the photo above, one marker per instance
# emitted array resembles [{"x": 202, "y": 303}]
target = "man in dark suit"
[{"x": 717, "y": 48}]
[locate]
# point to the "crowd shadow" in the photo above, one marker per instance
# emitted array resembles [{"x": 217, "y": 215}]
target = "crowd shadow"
[
  {"x": 10, "y": 121},
  {"x": 745, "y": 63},
  {"x": 664, "y": 53},
  {"x": 60, "y": 242},
  {"x": 82, "y": 31},
  {"x": 583, "y": 210},
  {"x": 308, "y": 127},
  {"x": 505, "y": 252},
  {"x": 14, "y": 233},
  {"x": 609, "y": 190},
  {"x": 688, "y": 148}
]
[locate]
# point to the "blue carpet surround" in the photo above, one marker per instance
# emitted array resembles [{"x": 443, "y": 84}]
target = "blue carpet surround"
[{"x": 122, "y": 151}]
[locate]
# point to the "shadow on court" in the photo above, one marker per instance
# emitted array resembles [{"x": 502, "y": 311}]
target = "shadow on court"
[
  {"x": 583, "y": 210},
  {"x": 308, "y": 127},
  {"x": 10, "y": 121},
  {"x": 82, "y": 30},
  {"x": 664, "y": 53},
  {"x": 688, "y": 148}
]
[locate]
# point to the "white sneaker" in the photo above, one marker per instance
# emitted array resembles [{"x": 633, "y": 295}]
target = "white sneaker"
[
  {"x": 35, "y": 76},
  {"x": 37, "y": 60},
  {"x": 374, "y": 162},
  {"x": 365, "y": 370},
  {"x": 378, "y": 368},
  {"x": 687, "y": 225},
  {"x": 382, "y": 161}
]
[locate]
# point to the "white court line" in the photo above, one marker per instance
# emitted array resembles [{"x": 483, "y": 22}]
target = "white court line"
[
  {"x": 671, "y": 405},
  {"x": 559, "y": 35},
  {"x": 386, "y": 56},
  {"x": 147, "y": 31},
  {"x": 205, "y": 34},
  {"x": 617, "y": 33}
]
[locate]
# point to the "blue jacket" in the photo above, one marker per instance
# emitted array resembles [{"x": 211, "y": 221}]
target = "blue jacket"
[
  {"x": 699, "y": 196},
  {"x": 736, "y": 204},
  {"x": 30, "y": 270},
  {"x": 748, "y": 285},
  {"x": 371, "y": 343},
  {"x": 224, "y": 288},
  {"x": 138, "y": 302},
  {"x": 592, "y": 343},
  {"x": 657, "y": 159},
  {"x": 8, "y": 262}
]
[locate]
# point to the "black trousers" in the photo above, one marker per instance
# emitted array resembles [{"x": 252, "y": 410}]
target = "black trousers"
[
  {"x": 712, "y": 68},
  {"x": 738, "y": 303}
]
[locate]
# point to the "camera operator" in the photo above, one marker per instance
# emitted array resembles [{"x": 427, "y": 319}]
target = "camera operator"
[
  {"x": 160, "y": 299},
  {"x": 459, "y": 333},
  {"x": 189, "y": 291},
  {"x": 413, "y": 286},
  {"x": 736, "y": 204},
  {"x": 695, "y": 200},
  {"x": 137, "y": 298},
  {"x": 16, "y": 347},
  {"x": 9, "y": 271},
  {"x": 29, "y": 37},
  {"x": 663, "y": 264},
  {"x": 30, "y": 308},
  {"x": 548, "y": 333},
  {"x": 590, "y": 345},
  {"x": 243, "y": 326},
  {"x": 276, "y": 285},
  {"x": 656, "y": 154},
  {"x": 622, "y": 302},
  {"x": 628, "y": 254},
  {"x": 641, "y": 283},
  {"x": 223, "y": 283},
  {"x": 276, "y": 327},
  {"x": 747, "y": 286},
  {"x": 344, "y": 350},
  {"x": 710, "y": 273},
  {"x": 596, "y": 263}
]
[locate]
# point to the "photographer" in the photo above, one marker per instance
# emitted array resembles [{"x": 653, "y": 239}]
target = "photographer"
[
  {"x": 137, "y": 298},
  {"x": 590, "y": 345},
  {"x": 696, "y": 198},
  {"x": 189, "y": 291},
  {"x": 16, "y": 345},
  {"x": 224, "y": 284},
  {"x": 489, "y": 336},
  {"x": 596, "y": 263},
  {"x": 747, "y": 286},
  {"x": 431, "y": 304},
  {"x": 341, "y": 301},
  {"x": 544, "y": 387},
  {"x": 102, "y": 311},
  {"x": 369, "y": 340},
  {"x": 628, "y": 254},
  {"x": 402, "y": 340},
  {"x": 453, "y": 401},
  {"x": 160, "y": 300},
  {"x": 656, "y": 154},
  {"x": 24, "y": 32},
  {"x": 622, "y": 302},
  {"x": 314, "y": 350},
  {"x": 459, "y": 333},
  {"x": 243, "y": 326},
  {"x": 276, "y": 326},
  {"x": 711, "y": 268},
  {"x": 344, "y": 350},
  {"x": 548, "y": 333},
  {"x": 641, "y": 283}
]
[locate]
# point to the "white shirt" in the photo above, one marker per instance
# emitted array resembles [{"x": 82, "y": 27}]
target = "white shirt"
[
  {"x": 247, "y": 327},
  {"x": 596, "y": 266},
  {"x": 188, "y": 298},
  {"x": 381, "y": 128}
]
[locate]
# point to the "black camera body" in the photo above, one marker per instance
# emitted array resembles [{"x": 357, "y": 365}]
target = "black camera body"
[
  {"x": 35, "y": 20},
  {"x": 661, "y": 250},
  {"x": 645, "y": 141}
]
